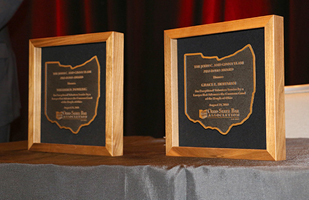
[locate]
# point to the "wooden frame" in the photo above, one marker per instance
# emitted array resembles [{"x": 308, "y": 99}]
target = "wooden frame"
[
  {"x": 113, "y": 94},
  {"x": 274, "y": 89}
]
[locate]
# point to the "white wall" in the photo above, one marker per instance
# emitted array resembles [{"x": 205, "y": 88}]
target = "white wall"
[{"x": 297, "y": 111}]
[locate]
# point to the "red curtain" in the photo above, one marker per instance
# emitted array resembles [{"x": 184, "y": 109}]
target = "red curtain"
[{"x": 143, "y": 23}]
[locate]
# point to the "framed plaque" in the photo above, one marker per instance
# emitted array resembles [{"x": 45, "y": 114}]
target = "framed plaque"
[
  {"x": 224, "y": 90},
  {"x": 76, "y": 94}
]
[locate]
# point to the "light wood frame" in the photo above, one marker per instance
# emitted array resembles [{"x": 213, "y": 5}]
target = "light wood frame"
[
  {"x": 274, "y": 89},
  {"x": 114, "y": 94}
]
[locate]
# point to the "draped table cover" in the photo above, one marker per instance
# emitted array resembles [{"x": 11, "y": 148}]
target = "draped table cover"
[{"x": 144, "y": 172}]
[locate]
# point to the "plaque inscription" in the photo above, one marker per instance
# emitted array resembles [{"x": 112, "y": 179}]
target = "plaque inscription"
[
  {"x": 219, "y": 92},
  {"x": 72, "y": 93}
]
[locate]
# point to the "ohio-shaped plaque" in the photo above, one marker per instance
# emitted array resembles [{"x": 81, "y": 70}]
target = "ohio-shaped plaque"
[
  {"x": 76, "y": 94},
  {"x": 224, "y": 90},
  {"x": 72, "y": 93},
  {"x": 215, "y": 91}
]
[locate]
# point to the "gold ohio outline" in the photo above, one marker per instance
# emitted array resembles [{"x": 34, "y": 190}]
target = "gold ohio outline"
[
  {"x": 219, "y": 59},
  {"x": 97, "y": 103}
]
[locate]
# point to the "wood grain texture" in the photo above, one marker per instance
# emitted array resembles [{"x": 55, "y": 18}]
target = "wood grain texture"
[
  {"x": 280, "y": 140},
  {"x": 34, "y": 121},
  {"x": 220, "y": 27},
  {"x": 71, "y": 39},
  {"x": 70, "y": 149},
  {"x": 12, "y": 146},
  {"x": 249, "y": 154},
  {"x": 171, "y": 92},
  {"x": 114, "y": 93},
  {"x": 147, "y": 151},
  {"x": 274, "y": 89},
  {"x": 279, "y": 52}
]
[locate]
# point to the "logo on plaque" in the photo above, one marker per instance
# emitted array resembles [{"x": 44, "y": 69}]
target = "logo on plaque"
[
  {"x": 72, "y": 93},
  {"x": 219, "y": 92}
]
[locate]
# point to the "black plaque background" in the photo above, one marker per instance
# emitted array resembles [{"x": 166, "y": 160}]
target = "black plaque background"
[
  {"x": 251, "y": 134},
  {"x": 93, "y": 134}
]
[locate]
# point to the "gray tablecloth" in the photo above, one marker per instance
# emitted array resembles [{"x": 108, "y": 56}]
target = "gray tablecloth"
[{"x": 202, "y": 179}]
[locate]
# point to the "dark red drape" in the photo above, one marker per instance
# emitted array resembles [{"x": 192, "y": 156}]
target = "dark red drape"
[{"x": 143, "y": 23}]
